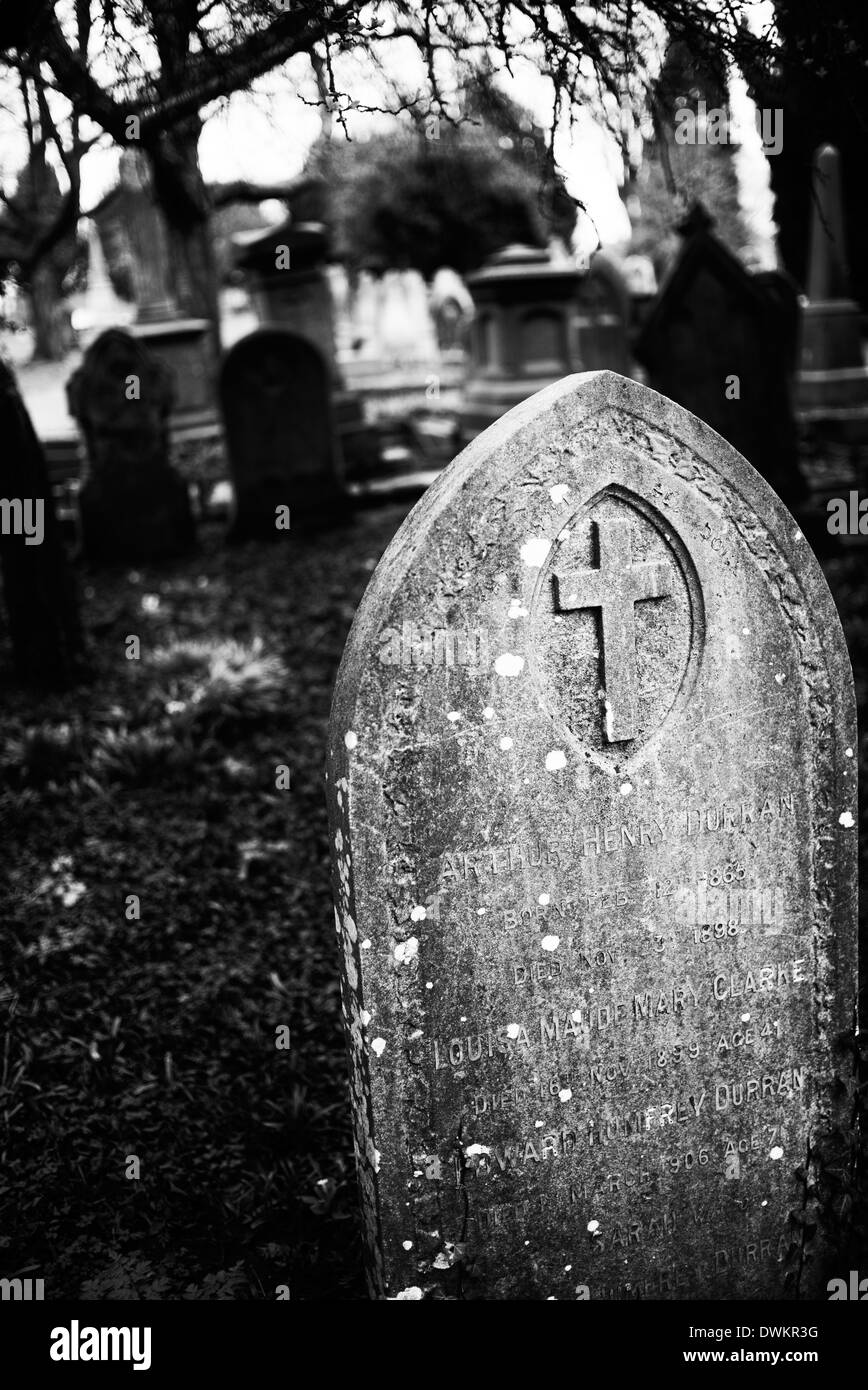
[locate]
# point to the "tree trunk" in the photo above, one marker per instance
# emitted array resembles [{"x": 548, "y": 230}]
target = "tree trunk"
[
  {"x": 182, "y": 197},
  {"x": 48, "y": 315}
]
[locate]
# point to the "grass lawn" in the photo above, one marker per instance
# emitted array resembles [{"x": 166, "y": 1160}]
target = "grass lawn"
[{"x": 155, "y": 1037}]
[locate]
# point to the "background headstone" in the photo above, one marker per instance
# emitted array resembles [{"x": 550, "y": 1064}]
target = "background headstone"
[
  {"x": 539, "y": 317},
  {"x": 722, "y": 343},
  {"x": 275, "y": 396},
  {"x": 833, "y": 378},
  {"x": 134, "y": 505},
  {"x": 592, "y": 785},
  {"x": 38, "y": 586}
]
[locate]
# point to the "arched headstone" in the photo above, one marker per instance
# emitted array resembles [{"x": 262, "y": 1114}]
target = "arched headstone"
[
  {"x": 276, "y": 402},
  {"x": 134, "y": 505},
  {"x": 592, "y": 784}
]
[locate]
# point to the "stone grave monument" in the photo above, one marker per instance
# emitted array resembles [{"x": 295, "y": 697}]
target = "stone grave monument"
[
  {"x": 722, "y": 343},
  {"x": 275, "y": 396},
  {"x": 39, "y": 588},
  {"x": 538, "y": 318},
  {"x": 592, "y": 786},
  {"x": 832, "y": 382},
  {"x": 286, "y": 270},
  {"x": 134, "y": 504}
]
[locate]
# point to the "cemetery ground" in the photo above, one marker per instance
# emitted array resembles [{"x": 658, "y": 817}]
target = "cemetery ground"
[{"x": 156, "y": 1037}]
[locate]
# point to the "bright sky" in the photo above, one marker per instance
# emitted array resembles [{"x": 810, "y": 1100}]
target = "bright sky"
[{"x": 265, "y": 136}]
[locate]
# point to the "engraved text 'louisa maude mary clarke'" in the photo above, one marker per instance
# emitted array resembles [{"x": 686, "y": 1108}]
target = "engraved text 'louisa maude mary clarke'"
[{"x": 592, "y": 800}]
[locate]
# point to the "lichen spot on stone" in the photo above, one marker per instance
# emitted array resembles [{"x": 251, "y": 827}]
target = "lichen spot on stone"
[
  {"x": 429, "y": 984},
  {"x": 593, "y": 1227},
  {"x": 513, "y": 1030},
  {"x": 365, "y": 1017},
  {"x": 516, "y": 610},
  {"x": 366, "y": 944},
  {"x": 413, "y": 1294},
  {"x": 776, "y": 1153},
  {"x": 558, "y": 494},
  {"x": 407, "y": 1244},
  {"x": 538, "y": 1124},
  {"x": 418, "y": 914},
  {"x": 453, "y": 716},
  {"x": 505, "y": 743},
  {"x": 476, "y": 1150},
  {"x": 564, "y": 1095},
  {"x": 508, "y": 664},
  {"x": 544, "y": 899},
  {"x": 610, "y": 727},
  {"x": 626, "y": 788},
  {"x": 576, "y": 1015},
  {"x": 378, "y": 1046},
  {"x": 534, "y": 551},
  {"x": 846, "y": 819},
  {"x": 780, "y": 678},
  {"x": 550, "y": 943},
  {"x": 488, "y": 712},
  {"x": 848, "y": 752},
  {"x": 351, "y": 740},
  {"x": 556, "y": 760},
  {"x": 442, "y": 1261},
  {"x": 405, "y": 951}
]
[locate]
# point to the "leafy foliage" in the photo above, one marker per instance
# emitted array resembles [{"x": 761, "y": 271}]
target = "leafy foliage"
[{"x": 439, "y": 192}]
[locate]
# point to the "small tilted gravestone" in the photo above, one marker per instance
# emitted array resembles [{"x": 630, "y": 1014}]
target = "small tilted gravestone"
[
  {"x": 276, "y": 400},
  {"x": 39, "y": 589},
  {"x": 134, "y": 504},
  {"x": 592, "y": 785}
]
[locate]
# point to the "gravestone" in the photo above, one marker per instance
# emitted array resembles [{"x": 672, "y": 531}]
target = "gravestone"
[
  {"x": 538, "y": 318},
  {"x": 39, "y": 589},
  {"x": 592, "y": 789},
  {"x": 722, "y": 343},
  {"x": 274, "y": 392},
  {"x": 134, "y": 505},
  {"x": 832, "y": 380}
]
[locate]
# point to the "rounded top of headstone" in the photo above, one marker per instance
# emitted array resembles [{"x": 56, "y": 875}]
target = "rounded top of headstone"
[{"x": 308, "y": 245}]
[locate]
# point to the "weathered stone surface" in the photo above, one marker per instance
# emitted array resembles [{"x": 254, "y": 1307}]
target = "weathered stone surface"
[
  {"x": 275, "y": 395},
  {"x": 134, "y": 505},
  {"x": 593, "y": 791}
]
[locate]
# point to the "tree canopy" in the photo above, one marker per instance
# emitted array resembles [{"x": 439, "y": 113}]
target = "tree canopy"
[{"x": 443, "y": 193}]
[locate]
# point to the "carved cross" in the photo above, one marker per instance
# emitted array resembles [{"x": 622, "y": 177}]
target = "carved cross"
[{"x": 615, "y": 587}]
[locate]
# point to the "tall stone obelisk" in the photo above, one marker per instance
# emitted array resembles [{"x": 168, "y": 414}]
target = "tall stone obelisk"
[{"x": 832, "y": 380}]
